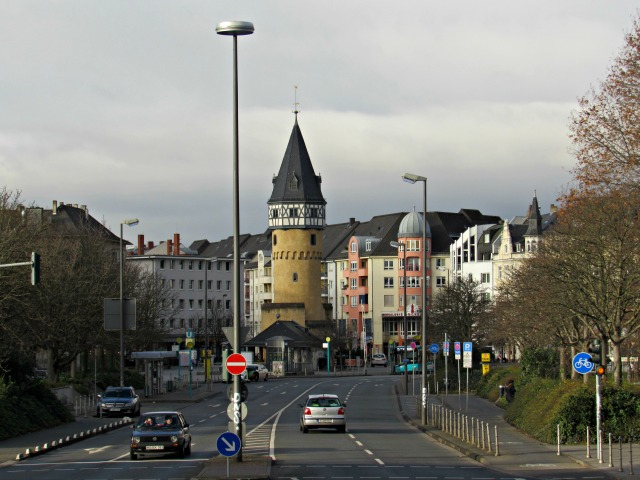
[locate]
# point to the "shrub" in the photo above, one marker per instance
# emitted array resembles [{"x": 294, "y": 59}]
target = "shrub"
[{"x": 540, "y": 362}]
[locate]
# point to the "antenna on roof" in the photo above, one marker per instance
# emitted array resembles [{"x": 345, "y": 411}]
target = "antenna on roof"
[{"x": 295, "y": 101}]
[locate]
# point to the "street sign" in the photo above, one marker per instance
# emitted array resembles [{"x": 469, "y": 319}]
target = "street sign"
[
  {"x": 582, "y": 363},
  {"x": 244, "y": 392},
  {"x": 413, "y": 345},
  {"x": 467, "y": 350},
  {"x": 433, "y": 348},
  {"x": 456, "y": 350},
  {"x": 243, "y": 411},
  {"x": 228, "y": 444},
  {"x": 236, "y": 364},
  {"x": 445, "y": 349}
]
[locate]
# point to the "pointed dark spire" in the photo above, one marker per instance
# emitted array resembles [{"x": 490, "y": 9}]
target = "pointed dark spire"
[
  {"x": 535, "y": 219},
  {"x": 297, "y": 181}
]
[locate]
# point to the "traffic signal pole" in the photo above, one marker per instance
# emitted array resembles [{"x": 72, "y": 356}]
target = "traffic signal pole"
[{"x": 34, "y": 263}]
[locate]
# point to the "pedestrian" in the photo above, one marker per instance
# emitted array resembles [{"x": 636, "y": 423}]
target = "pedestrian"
[{"x": 510, "y": 391}]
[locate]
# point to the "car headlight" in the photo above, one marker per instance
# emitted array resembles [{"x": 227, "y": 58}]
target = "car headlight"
[
  {"x": 135, "y": 439},
  {"x": 174, "y": 438}
]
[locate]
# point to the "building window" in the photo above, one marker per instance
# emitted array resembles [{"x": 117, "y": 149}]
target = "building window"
[
  {"x": 227, "y": 266},
  {"x": 295, "y": 276},
  {"x": 486, "y": 296},
  {"x": 275, "y": 240},
  {"x": 401, "y": 264},
  {"x": 190, "y": 264},
  {"x": 200, "y": 265},
  {"x": 413, "y": 245},
  {"x": 181, "y": 284},
  {"x": 161, "y": 264},
  {"x": 218, "y": 266},
  {"x": 368, "y": 246},
  {"x": 388, "y": 282},
  {"x": 313, "y": 239},
  {"x": 440, "y": 263},
  {"x": 200, "y": 303},
  {"x": 181, "y": 264},
  {"x": 190, "y": 284},
  {"x": 172, "y": 284},
  {"x": 354, "y": 266},
  {"x": 218, "y": 284},
  {"x": 413, "y": 282},
  {"x": 441, "y": 281},
  {"x": 354, "y": 283},
  {"x": 485, "y": 278},
  {"x": 388, "y": 300},
  {"x": 354, "y": 248},
  {"x": 200, "y": 284},
  {"x": 388, "y": 264},
  {"x": 228, "y": 284},
  {"x": 191, "y": 304},
  {"x": 293, "y": 183},
  {"x": 413, "y": 264},
  {"x": 181, "y": 304},
  {"x": 354, "y": 301},
  {"x": 293, "y": 212},
  {"x": 171, "y": 264}
]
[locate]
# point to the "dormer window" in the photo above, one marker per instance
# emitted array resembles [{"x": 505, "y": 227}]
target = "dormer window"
[{"x": 293, "y": 183}]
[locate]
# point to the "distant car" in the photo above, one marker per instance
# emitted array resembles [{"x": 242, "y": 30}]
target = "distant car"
[
  {"x": 118, "y": 401},
  {"x": 378, "y": 359},
  {"x": 323, "y": 411},
  {"x": 254, "y": 373},
  {"x": 160, "y": 433},
  {"x": 411, "y": 367}
]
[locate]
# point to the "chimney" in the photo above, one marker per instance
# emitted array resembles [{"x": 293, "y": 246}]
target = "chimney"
[
  {"x": 55, "y": 207},
  {"x": 352, "y": 220},
  {"x": 176, "y": 244},
  {"x": 86, "y": 211},
  {"x": 169, "y": 247},
  {"x": 150, "y": 244},
  {"x": 140, "y": 244}
]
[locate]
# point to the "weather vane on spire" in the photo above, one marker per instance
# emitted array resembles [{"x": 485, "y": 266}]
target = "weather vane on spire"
[{"x": 295, "y": 101}]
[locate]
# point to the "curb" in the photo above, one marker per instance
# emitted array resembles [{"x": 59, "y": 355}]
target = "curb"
[{"x": 68, "y": 440}]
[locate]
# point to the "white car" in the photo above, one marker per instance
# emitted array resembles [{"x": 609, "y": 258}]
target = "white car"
[
  {"x": 255, "y": 373},
  {"x": 378, "y": 359}
]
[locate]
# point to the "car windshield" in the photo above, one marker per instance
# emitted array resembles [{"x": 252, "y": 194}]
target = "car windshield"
[
  {"x": 324, "y": 402},
  {"x": 118, "y": 394},
  {"x": 147, "y": 422}
]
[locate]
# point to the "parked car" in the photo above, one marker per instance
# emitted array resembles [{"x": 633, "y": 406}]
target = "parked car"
[
  {"x": 378, "y": 359},
  {"x": 254, "y": 373},
  {"x": 411, "y": 367},
  {"x": 323, "y": 411},
  {"x": 160, "y": 433},
  {"x": 118, "y": 401}
]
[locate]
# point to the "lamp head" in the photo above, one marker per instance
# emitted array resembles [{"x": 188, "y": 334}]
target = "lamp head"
[
  {"x": 234, "y": 27},
  {"x": 131, "y": 222},
  {"x": 411, "y": 178}
]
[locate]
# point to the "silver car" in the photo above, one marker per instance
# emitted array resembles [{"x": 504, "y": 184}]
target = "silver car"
[
  {"x": 323, "y": 411},
  {"x": 378, "y": 359}
]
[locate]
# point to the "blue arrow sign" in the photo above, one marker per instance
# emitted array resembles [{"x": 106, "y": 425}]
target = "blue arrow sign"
[
  {"x": 582, "y": 363},
  {"x": 228, "y": 444},
  {"x": 433, "y": 348}
]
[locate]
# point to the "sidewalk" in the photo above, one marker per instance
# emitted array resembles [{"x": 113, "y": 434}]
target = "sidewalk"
[{"x": 517, "y": 453}]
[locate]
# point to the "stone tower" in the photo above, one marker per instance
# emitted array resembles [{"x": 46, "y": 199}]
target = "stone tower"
[{"x": 297, "y": 220}]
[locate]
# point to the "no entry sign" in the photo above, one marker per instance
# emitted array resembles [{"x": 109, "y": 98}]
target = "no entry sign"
[{"x": 236, "y": 364}]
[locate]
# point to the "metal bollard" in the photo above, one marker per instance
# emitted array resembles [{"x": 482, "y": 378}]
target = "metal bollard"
[
  {"x": 478, "y": 430},
  {"x": 482, "y": 430},
  {"x": 588, "y": 443},
  {"x": 611, "y": 449},
  {"x": 488, "y": 438},
  {"x": 497, "y": 442},
  {"x": 473, "y": 431},
  {"x": 558, "y": 435},
  {"x": 620, "y": 450},
  {"x": 630, "y": 456}
]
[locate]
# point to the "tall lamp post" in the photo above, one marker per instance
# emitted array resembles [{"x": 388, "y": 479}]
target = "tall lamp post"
[
  {"x": 411, "y": 178},
  {"x": 235, "y": 29},
  {"x": 131, "y": 222},
  {"x": 404, "y": 315}
]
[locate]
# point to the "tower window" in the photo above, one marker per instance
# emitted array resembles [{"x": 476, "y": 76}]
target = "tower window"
[
  {"x": 275, "y": 239},
  {"x": 313, "y": 239},
  {"x": 295, "y": 276},
  {"x": 293, "y": 183}
]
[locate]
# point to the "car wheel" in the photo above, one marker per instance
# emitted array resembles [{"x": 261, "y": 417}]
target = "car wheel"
[
  {"x": 182, "y": 452},
  {"x": 133, "y": 455},
  {"x": 189, "y": 448},
  {"x": 341, "y": 429},
  {"x": 266, "y": 377},
  {"x": 305, "y": 429}
]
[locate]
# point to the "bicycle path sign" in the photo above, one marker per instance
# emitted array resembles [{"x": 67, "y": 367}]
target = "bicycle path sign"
[{"x": 582, "y": 363}]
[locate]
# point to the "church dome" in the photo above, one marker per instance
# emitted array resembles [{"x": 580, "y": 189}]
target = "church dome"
[{"x": 411, "y": 226}]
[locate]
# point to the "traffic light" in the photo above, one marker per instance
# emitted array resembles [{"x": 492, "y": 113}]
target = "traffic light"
[
  {"x": 595, "y": 350},
  {"x": 600, "y": 370},
  {"x": 35, "y": 268}
]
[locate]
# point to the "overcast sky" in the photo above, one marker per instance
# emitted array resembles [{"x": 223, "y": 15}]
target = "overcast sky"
[{"x": 126, "y": 106}]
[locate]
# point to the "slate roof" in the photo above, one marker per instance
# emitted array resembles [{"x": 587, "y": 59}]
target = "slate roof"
[
  {"x": 296, "y": 163},
  {"x": 295, "y": 335}
]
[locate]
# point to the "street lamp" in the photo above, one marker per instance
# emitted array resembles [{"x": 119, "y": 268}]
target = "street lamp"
[
  {"x": 234, "y": 29},
  {"x": 130, "y": 222},
  {"x": 404, "y": 322},
  {"x": 411, "y": 178}
]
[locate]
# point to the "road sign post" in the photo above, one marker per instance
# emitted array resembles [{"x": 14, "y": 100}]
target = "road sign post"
[
  {"x": 467, "y": 362},
  {"x": 433, "y": 348}
]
